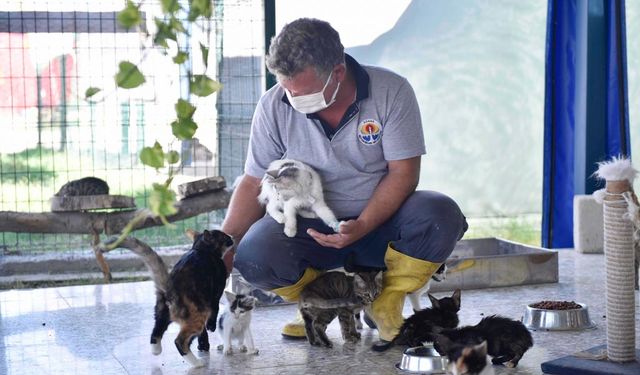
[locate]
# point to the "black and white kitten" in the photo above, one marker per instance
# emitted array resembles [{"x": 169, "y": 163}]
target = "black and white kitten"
[
  {"x": 290, "y": 187},
  {"x": 235, "y": 324},
  {"x": 83, "y": 186},
  {"x": 507, "y": 339},
  {"x": 472, "y": 360},
  {"x": 438, "y": 276},
  {"x": 423, "y": 324},
  {"x": 336, "y": 294}
]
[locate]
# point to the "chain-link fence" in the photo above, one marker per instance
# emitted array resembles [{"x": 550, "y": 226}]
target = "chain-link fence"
[{"x": 52, "y": 51}]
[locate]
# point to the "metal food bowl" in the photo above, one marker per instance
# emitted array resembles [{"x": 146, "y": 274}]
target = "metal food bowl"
[
  {"x": 422, "y": 360},
  {"x": 557, "y": 320}
]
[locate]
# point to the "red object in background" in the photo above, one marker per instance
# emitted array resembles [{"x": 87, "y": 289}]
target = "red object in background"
[{"x": 18, "y": 80}]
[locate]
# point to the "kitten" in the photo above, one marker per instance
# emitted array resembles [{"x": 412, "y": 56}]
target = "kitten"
[
  {"x": 438, "y": 276},
  {"x": 83, "y": 186},
  {"x": 290, "y": 187},
  {"x": 507, "y": 339},
  {"x": 465, "y": 359},
  {"x": 192, "y": 294},
  {"x": 337, "y": 294},
  {"x": 423, "y": 324},
  {"x": 235, "y": 322}
]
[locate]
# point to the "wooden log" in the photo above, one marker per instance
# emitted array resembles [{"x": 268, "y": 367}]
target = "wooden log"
[
  {"x": 90, "y": 202},
  {"x": 106, "y": 222},
  {"x": 192, "y": 188}
]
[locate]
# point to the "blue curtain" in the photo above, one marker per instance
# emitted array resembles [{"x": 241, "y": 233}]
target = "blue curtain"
[{"x": 586, "y": 108}]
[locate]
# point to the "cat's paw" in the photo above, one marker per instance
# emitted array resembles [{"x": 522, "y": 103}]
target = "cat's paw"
[
  {"x": 227, "y": 351},
  {"x": 193, "y": 361},
  {"x": 243, "y": 349},
  {"x": 220, "y": 347},
  {"x": 156, "y": 349},
  {"x": 336, "y": 226},
  {"x": 290, "y": 231}
]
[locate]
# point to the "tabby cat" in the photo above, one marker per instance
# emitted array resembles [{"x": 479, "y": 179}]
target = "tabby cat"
[
  {"x": 337, "y": 294},
  {"x": 84, "y": 186}
]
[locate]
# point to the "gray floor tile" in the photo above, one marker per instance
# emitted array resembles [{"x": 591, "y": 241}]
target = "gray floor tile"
[{"x": 104, "y": 329}]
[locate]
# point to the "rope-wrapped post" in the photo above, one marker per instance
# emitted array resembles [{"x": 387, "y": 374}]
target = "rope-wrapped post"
[{"x": 619, "y": 263}]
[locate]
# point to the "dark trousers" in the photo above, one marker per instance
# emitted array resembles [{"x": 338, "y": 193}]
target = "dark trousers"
[{"x": 427, "y": 227}]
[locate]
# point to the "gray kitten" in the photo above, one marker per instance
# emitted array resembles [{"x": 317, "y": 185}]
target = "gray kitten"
[
  {"x": 290, "y": 187},
  {"x": 337, "y": 294}
]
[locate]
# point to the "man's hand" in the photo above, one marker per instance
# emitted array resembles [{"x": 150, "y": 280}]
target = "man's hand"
[{"x": 350, "y": 232}]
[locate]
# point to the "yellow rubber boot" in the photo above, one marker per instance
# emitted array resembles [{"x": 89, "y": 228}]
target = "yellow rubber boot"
[
  {"x": 404, "y": 275},
  {"x": 295, "y": 328}
]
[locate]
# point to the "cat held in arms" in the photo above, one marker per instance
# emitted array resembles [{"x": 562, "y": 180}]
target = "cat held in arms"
[
  {"x": 190, "y": 294},
  {"x": 290, "y": 187}
]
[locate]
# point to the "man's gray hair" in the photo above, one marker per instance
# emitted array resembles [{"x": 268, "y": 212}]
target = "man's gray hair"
[{"x": 302, "y": 43}]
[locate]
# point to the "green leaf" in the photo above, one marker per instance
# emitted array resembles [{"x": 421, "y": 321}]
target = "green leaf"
[
  {"x": 172, "y": 157},
  {"x": 162, "y": 200},
  {"x": 170, "y": 6},
  {"x": 153, "y": 156},
  {"x": 176, "y": 25},
  {"x": 205, "y": 54},
  {"x": 201, "y": 85},
  {"x": 184, "y": 109},
  {"x": 130, "y": 15},
  {"x": 91, "y": 91},
  {"x": 199, "y": 8},
  {"x": 128, "y": 77},
  {"x": 180, "y": 57},
  {"x": 165, "y": 31},
  {"x": 184, "y": 128}
]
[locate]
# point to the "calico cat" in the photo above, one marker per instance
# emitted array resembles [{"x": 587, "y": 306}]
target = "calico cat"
[
  {"x": 235, "y": 322},
  {"x": 463, "y": 359},
  {"x": 507, "y": 339},
  {"x": 192, "y": 294},
  {"x": 337, "y": 294},
  {"x": 83, "y": 186},
  {"x": 423, "y": 324},
  {"x": 437, "y": 276},
  {"x": 290, "y": 187}
]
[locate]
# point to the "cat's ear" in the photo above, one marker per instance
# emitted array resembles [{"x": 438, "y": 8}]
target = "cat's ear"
[
  {"x": 456, "y": 297},
  {"x": 481, "y": 348},
  {"x": 191, "y": 234},
  {"x": 273, "y": 173},
  {"x": 230, "y": 296},
  {"x": 359, "y": 282},
  {"x": 379, "y": 278},
  {"x": 435, "y": 303}
]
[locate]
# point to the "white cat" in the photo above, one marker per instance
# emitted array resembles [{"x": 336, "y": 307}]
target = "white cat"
[
  {"x": 414, "y": 297},
  {"x": 290, "y": 187},
  {"x": 235, "y": 322}
]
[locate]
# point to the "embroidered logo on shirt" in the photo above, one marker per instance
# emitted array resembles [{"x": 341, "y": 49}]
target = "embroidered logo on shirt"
[{"x": 369, "y": 132}]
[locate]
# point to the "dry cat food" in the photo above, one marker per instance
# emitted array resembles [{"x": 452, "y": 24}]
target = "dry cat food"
[{"x": 556, "y": 305}]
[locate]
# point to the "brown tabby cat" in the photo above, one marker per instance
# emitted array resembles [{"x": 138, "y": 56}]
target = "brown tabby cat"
[{"x": 337, "y": 294}]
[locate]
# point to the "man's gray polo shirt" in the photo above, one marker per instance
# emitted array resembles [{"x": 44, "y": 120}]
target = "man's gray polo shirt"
[{"x": 383, "y": 125}]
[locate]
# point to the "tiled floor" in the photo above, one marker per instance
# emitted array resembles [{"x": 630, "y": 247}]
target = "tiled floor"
[{"x": 104, "y": 329}]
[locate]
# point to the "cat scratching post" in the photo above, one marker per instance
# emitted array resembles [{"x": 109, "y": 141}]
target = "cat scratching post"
[
  {"x": 620, "y": 208},
  {"x": 619, "y": 260}
]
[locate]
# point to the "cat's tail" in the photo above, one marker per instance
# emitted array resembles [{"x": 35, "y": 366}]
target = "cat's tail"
[{"x": 151, "y": 259}]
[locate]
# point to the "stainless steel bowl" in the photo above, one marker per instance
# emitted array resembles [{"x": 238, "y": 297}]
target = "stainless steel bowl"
[
  {"x": 422, "y": 360},
  {"x": 557, "y": 320}
]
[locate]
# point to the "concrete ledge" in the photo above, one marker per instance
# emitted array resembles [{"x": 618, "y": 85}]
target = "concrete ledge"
[
  {"x": 79, "y": 265},
  {"x": 588, "y": 225}
]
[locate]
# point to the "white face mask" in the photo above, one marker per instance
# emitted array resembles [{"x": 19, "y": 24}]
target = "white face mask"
[{"x": 312, "y": 103}]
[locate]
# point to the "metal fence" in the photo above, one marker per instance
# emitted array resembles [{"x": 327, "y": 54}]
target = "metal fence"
[{"x": 52, "y": 51}]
